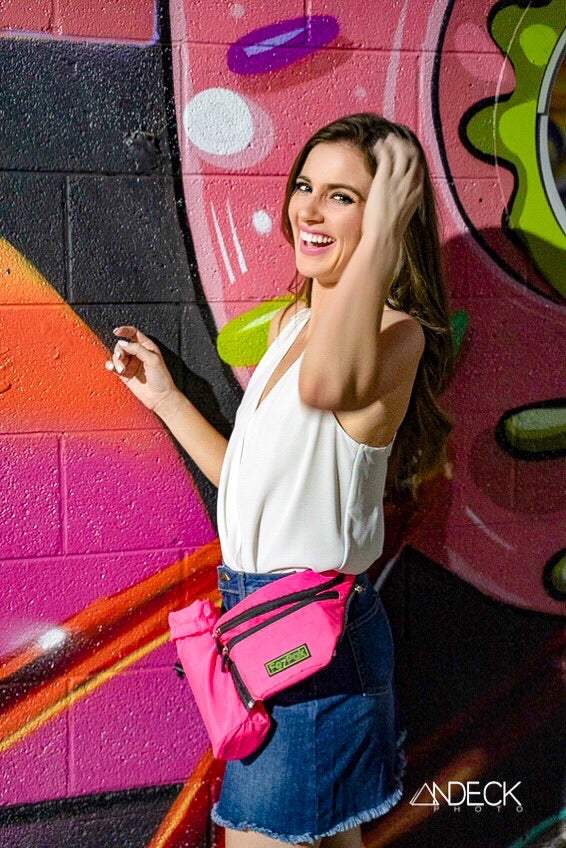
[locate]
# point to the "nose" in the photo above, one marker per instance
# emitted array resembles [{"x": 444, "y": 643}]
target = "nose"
[{"x": 309, "y": 210}]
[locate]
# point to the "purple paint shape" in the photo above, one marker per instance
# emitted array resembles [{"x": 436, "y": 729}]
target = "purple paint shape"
[{"x": 281, "y": 44}]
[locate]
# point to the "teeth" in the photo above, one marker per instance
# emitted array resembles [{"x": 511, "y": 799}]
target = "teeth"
[{"x": 313, "y": 239}]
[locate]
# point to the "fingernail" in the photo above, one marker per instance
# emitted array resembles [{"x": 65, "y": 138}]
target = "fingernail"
[
  {"x": 122, "y": 343},
  {"x": 119, "y": 368},
  {"x": 109, "y": 365}
]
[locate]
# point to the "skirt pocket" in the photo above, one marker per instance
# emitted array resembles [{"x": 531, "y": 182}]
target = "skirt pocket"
[{"x": 371, "y": 641}]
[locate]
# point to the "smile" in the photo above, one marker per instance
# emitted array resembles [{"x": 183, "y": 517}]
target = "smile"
[{"x": 313, "y": 245}]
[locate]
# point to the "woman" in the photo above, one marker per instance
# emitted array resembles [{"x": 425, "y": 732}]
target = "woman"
[{"x": 302, "y": 478}]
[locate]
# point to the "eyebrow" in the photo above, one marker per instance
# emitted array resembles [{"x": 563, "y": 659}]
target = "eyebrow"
[{"x": 334, "y": 185}]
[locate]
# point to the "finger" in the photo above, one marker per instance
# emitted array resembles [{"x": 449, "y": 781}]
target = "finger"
[
  {"x": 110, "y": 366},
  {"x": 119, "y": 359},
  {"x": 125, "y": 330},
  {"x": 399, "y": 153},
  {"x": 134, "y": 334},
  {"x": 384, "y": 156},
  {"x": 137, "y": 349},
  {"x": 415, "y": 170}
]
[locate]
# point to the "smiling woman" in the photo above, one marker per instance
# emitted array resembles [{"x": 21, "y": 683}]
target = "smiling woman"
[
  {"x": 379, "y": 335},
  {"x": 302, "y": 483}
]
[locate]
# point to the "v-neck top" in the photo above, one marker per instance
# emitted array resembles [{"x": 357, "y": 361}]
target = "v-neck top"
[{"x": 296, "y": 491}]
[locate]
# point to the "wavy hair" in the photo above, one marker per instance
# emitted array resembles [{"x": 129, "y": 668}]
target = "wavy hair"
[{"x": 418, "y": 289}]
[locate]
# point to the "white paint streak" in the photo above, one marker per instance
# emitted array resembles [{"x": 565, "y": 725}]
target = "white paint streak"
[
  {"x": 222, "y": 246},
  {"x": 235, "y": 239},
  {"x": 491, "y": 534},
  {"x": 388, "y": 108}
]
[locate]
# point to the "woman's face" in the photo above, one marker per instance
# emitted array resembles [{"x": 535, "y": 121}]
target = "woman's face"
[{"x": 329, "y": 198}]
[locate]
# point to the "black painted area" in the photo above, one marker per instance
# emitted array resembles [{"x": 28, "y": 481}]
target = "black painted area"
[
  {"x": 125, "y": 243},
  {"x": 74, "y": 107},
  {"x": 454, "y": 646},
  {"x": 121, "y": 819},
  {"x": 32, "y": 219}
]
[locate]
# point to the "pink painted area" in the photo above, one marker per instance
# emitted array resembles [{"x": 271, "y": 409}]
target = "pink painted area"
[
  {"x": 31, "y": 16},
  {"x": 140, "y": 729},
  {"x": 89, "y": 474},
  {"x": 500, "y": 327},
  {"x": 69, "y": 584},
  {"x": 269, "y": 256},
  {"x": 30, "y": 494},
  {"x": 474, "y": 266},
  {"x": 129, "y": 490},
  {"x": 120, "y": 20},
  {"x": 460, "y": 89},
  {"x": 292, "y": 99},
  {"x": 385, "y": 64},
  {"x": 230, "y": 20},
  {"x": 35, "y": 768}
]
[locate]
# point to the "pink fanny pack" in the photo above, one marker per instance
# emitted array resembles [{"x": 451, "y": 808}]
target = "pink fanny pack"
[{"x": 275, "y": 637}]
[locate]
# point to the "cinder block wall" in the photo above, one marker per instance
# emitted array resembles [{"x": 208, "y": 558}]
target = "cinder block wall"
[{"x": 143, "y": 156}]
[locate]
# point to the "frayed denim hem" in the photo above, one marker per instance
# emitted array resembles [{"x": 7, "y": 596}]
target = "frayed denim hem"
[{"x": 353, "y": 821}]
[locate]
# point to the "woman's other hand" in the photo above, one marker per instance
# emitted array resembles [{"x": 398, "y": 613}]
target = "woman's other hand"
[
  {"x": 140, "y": 366},
  {"x": 396, "y": 188}
]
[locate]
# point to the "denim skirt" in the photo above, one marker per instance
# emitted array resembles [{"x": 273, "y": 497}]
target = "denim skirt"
[{"x": 333, "y": 757}]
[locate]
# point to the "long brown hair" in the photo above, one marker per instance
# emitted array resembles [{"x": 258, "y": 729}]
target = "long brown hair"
[{"x": 418, "y": 289}]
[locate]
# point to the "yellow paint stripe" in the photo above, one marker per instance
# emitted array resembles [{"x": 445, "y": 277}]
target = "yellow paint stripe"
[{"x": 81, "y": 691}]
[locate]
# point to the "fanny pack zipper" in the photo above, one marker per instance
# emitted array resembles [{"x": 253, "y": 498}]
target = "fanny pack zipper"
[
  {"x": 243, "y": 691},
  {"x": 235, "y": 639},
  {"x": 267, "y": 606}
]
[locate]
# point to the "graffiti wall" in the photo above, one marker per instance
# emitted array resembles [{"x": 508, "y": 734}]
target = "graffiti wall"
[{"x": 144, "y": 148}]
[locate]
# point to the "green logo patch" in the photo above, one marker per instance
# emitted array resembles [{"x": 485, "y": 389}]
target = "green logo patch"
[{"x": 296, "y": 655}]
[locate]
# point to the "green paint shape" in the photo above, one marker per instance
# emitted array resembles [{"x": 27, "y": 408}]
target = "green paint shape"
[
  {"x": 537, "y": 429},
  {"x": 243, "y": 340},
  {"x": 506, "y": 130},
  {"x": 538, "y": 43},
  {"x": 558, "y": 575}
]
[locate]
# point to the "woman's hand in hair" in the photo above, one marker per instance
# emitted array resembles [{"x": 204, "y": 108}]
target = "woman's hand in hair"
[
  {"x": 138, "y": 363},
  {"x": 396, "y": 188}
]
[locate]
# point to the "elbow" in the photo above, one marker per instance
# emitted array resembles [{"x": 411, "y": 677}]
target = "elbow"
[{"x": 317, "y": 394}]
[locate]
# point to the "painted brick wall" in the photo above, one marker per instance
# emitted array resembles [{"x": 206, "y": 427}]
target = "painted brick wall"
[{"x": 143, "y": 157}]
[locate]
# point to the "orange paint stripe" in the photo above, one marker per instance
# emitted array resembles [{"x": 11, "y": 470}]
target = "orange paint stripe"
[
  {"x": 174, "y": 825},
  {"x": 48, "y": 698},
  {"x": 105, "y": 612}
]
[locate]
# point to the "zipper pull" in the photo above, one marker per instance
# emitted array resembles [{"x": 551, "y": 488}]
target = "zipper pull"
[
  {"x": 224, "y": 663},
  {"x": 358, "y": 588}
]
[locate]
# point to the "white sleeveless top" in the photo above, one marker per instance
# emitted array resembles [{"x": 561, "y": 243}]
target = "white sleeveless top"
[{"x": 296, "y": 491}]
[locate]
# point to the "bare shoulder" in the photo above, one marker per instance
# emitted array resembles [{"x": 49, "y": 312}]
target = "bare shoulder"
[{"x": 282, "y": 318}]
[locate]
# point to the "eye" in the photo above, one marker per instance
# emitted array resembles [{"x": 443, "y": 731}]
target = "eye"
[
  {"x": 345, "y": 196},
  {"x": 299, "y": 184}
]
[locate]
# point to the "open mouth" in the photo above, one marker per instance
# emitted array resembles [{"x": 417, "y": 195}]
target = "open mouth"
[{"x": 313, "y": 247}]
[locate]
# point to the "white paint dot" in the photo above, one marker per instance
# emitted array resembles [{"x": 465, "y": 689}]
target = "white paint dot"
[
  {"x": 360, "y": 93},
  {"x": 237, "y": 10},
  {"x": 262, "y": 222},
  {"x": 52, "y": 638},
  {"x": 218, "y": 121}
]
